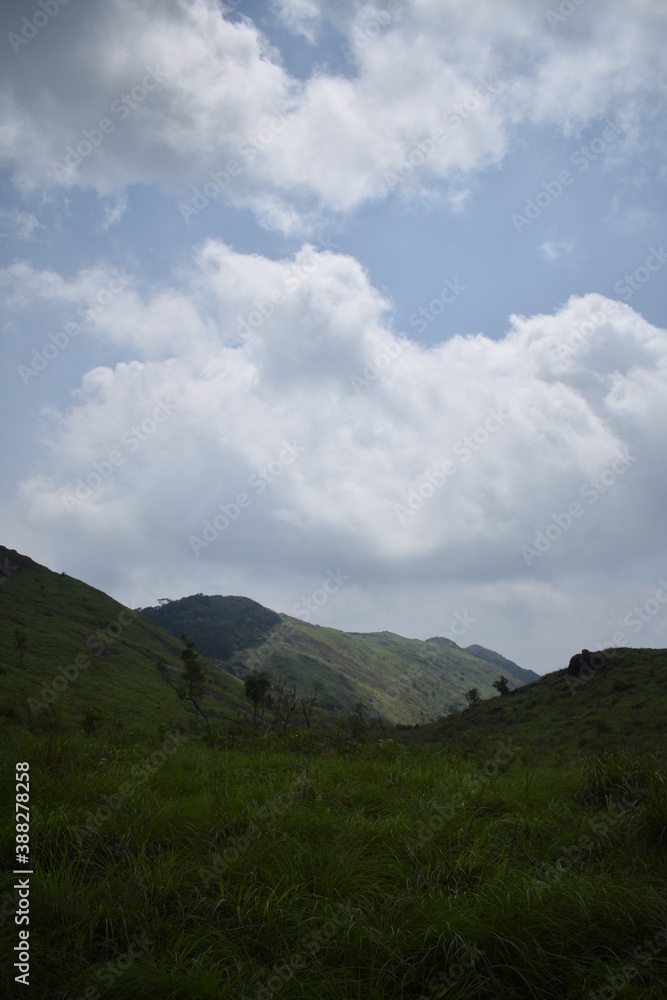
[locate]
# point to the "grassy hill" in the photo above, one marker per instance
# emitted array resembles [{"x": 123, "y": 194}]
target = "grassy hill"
[
  {"x": 623, "y": 705},
  {"x": 87, "y": 655},
  {"x": 219, "y": 626},
  {"x": 514, "y": 850},
  {"x": 86, "y": 652},
  {"x": 405, "y": 680}
]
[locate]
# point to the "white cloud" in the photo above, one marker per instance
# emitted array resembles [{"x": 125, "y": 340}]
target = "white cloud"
[
  {"x": 553, "y": 249},
  {"x": 21, "y": 225},
  {"x": 217, "y": 85},
  {"x": 301, "y": 16},
  {"x": 529, "y": 424}
]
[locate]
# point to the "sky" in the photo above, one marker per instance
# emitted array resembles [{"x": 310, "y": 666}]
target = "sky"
[{"x": 355, "y": 309}]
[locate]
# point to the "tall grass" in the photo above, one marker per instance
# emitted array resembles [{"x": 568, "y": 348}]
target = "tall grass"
[{"x": 377, "y": 871}]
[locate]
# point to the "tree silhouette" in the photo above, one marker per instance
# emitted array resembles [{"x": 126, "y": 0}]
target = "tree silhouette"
[
  {"x": 501, "y": 685},
  {"x": 256, "y": 686},
  {"x": 473, "y": 697},
  {"x": 192, "y": 680},
  {"x": 307, "y": 703},
  {"x": 190, "y": 684}
]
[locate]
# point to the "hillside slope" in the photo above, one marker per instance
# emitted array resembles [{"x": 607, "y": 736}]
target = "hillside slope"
[
  {"x": 405, "y": 680},
  {"x": 622, "y": 706},
  {"x": 84, "y": 649}
]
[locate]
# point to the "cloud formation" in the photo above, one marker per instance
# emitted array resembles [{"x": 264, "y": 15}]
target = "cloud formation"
[
  {"x": 174, "y": 92},
  {"x": 295, "y": 415}
]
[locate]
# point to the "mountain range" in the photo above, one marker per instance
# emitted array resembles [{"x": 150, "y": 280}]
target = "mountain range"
[{"x": 81, "y": 646}]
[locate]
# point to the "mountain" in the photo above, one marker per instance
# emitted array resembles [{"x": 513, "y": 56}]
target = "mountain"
[
  {"x": 404, "y": 680},
  {"x": 86, "y": 652},
  {"x": 505, "y": 666},
  {"x": 219, "y": 626},
  {"x": 622, "y": 706}
]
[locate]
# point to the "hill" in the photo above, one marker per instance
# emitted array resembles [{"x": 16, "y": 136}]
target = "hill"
[
  {"x": 219, "y": 626},
  {"x": 404, "y": 680},
  {"x": 621, "y": 706},
  {"x": 87, "y": 653}
]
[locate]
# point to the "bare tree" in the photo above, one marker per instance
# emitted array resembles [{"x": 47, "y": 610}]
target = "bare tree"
[
  {"x": 307, "y": 703},
  {"x": 284, "y": 702}
]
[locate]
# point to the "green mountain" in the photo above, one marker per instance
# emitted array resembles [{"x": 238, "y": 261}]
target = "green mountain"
[
  {"x": 623, "y": 705},
  {"x": 506, "y": 666},
  {"x": 404, "y": 680},
  {"x": 85, "y": 652},
  {"x": 219, "y": 626}
]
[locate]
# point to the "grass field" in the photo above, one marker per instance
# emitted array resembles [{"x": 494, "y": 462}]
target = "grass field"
[{"x": 313, "y": 866}]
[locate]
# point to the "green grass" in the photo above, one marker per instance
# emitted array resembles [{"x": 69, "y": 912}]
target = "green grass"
[
  {"x": 516, "y": 850},
  {"x": 118, "y": 676},
  {"x": 623, "y": 705},
  {"x": 357, "y": 870}
]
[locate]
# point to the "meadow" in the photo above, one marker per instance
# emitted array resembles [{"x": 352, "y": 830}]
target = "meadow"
[{"x": 309, "y": 864}]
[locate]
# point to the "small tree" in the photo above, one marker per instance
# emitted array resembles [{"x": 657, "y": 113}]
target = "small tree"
[
  {"x": 256, "y": 686},
  {"x": 193, "y": 677},
  {"x": 473, "y": 697},
  {"x": 357, "y": 720},
  {"x": 501, "y": 685},
  {"x": 307, "y": 703},
  {"x": 284, "y": 702},
  {"x": 20, "y": 643}
]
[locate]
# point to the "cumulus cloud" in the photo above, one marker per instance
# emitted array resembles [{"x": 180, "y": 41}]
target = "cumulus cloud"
[
  {"x": 432, "y": 91},
  {"x": 274, "y": 401}
]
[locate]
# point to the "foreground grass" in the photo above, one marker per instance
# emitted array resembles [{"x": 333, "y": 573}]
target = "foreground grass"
[{"x": 298, "y": 869}]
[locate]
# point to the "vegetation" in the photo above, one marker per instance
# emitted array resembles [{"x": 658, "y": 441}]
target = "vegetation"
[
  {"x": 218, "y": 626},
  {"x": 179, "y": 850},
  {"x": 303, "y": 866}
]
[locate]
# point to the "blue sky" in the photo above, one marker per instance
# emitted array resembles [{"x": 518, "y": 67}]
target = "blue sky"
[{"x": 413, "y": 334}]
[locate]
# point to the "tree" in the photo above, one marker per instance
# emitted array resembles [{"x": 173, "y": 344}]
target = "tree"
[
  {"x": 501, "y": 685},
  {"x": 190, "y": 683},
  {"x": 307, "y": 703},
  {"x": 473, "y": 697},
  {"x": 284, "y": 702},
  {"x": 20, "y": 643},
  {"x": 192, "y": 679},
  {"x": 256, "y": 686},
  {"x": 357, "y": 720}
]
